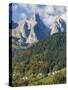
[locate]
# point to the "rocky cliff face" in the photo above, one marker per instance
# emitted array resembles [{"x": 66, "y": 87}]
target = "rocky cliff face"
[
  {"x": 59, "y": 25},
  {"x": 33, "y": 30}
]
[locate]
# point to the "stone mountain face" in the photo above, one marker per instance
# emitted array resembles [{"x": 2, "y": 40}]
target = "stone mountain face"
[
  {"x": 59, "y": 25},
  {"x": 32, "y": 38},
  {"x": 38, "y": 31},
  {"x": 42, "y": 31},
  {"x": 34, "y": 30}
]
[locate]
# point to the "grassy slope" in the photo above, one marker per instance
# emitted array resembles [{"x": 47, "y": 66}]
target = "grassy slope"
[{"x": 51, "y": 78}]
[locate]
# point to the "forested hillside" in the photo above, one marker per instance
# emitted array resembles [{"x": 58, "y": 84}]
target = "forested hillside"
[{"x": 39, "y": 61}]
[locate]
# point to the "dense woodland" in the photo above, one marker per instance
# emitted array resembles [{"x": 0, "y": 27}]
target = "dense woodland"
[{"x": 35, "y": 65}]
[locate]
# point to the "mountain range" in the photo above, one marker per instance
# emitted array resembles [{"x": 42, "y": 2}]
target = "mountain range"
[{"x": 33, "y": 30}]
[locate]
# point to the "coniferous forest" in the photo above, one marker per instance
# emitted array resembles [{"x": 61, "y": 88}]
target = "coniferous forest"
[{"x": 42, "y": 63}]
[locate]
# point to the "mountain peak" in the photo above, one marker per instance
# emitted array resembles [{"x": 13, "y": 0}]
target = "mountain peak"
[
  {"x": 59, "y": 25},
  {"x": 41, "y": 30}
]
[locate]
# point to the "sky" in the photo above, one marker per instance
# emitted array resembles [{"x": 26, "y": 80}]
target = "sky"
[{"x": 47, "y": 13}]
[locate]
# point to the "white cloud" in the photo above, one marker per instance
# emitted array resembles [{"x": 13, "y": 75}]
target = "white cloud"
[
  {"x": 47, "y": 13},
  {"x": 49, "y": 20},
  {"x": 51, "y": 12},
  {"x": 63, "y": 16},
  {"x": 23, "y": 16}
]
